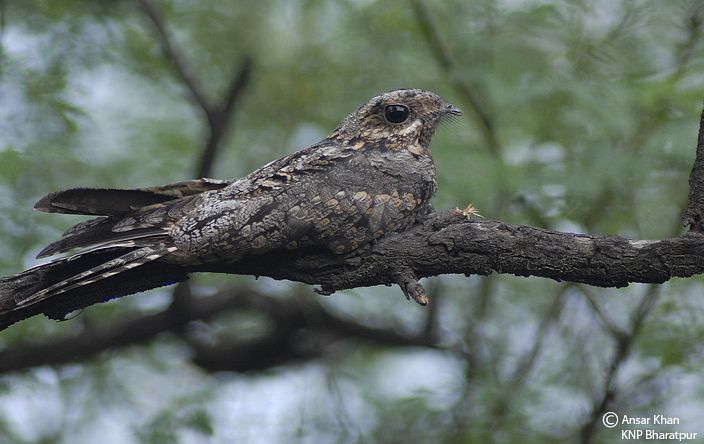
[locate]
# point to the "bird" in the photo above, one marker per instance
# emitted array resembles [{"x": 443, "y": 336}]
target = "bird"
[{"x": 372, "y": 176}]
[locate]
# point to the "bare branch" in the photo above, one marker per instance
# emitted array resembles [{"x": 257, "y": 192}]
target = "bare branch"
[
  {"x": 167, "y": 47},
  {"x": 304, "y": 330},
  {"x": 221, "y": 118},
  {"x": 624, "y": 345},
  {"x": 447, "y": 64},
  {"x": 450, "y": 243},
  {"x": 218, "y": 115},
  {"x": 527, "y": 362},
  {"x": 119, "y": 334},
  {"x": 283, "y": 345}
]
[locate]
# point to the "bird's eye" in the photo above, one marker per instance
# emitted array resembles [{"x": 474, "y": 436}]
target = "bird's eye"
[{"x": 396, "y": 113}]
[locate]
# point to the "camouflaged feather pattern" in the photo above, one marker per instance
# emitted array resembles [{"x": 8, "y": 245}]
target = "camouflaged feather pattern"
[{"x": 373, "y": 175}]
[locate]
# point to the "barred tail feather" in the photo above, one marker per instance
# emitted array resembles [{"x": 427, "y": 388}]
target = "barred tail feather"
[
  {"x": 122, "y": 263},
  {"x": 74, "y": 282}
]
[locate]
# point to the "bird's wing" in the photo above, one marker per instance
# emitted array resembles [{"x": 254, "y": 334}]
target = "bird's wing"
[
  {"x": 110, "y": 202},
  {"x": 331, "y": 196},
  {"x": 123, "y": 229},
  {"x": 149, "y": 212}
]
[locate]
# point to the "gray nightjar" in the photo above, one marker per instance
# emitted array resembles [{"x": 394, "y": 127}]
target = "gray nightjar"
[{"x": 371, "y": 176}]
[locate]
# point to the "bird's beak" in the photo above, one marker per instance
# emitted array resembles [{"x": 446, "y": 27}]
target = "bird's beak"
[{"x": 452, "y": 109}]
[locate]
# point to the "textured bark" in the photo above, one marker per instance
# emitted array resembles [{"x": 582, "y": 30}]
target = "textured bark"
[
  {"x": 451, "y": 243},
  {"x": 694, "y": 214}
]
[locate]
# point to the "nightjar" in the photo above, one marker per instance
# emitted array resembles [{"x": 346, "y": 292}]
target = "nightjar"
[{"x": 371, "y": 176}]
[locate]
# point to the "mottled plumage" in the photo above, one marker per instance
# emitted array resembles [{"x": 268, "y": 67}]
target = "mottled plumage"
[{"x": 373, "y": 175}]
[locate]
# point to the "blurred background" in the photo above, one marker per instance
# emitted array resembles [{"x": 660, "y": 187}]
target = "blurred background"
[{"x": 579, "y": 116}]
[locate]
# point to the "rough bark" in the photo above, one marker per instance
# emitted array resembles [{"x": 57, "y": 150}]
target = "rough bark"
[
  {"x": 694, "y": 214},
  {"x": 451, "y": 243}
]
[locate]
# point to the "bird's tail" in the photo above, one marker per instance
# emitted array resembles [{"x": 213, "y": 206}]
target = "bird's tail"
[{"x": 74, "y": 282}]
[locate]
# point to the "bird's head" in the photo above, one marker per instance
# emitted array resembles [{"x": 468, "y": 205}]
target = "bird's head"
[{"x": 401, "y": 119}]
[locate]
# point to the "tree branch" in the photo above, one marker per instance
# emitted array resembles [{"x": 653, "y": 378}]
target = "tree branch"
[
  {"x": 189, "y": 81},
  {"x": 221, "y": 118},
  {"x": 450, "y": 243},
  {"x": 303, "y": 330},
  {"x": 447, "y": 64},
  {"x": 624, "y": 345},
  {"x": 217, "y": 115},
  {"x": 694, "y": 214},
  {"x": 119, "y": 334}
]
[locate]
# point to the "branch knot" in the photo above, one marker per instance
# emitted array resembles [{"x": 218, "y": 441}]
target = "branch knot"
[{"x": 406, "y": 279}]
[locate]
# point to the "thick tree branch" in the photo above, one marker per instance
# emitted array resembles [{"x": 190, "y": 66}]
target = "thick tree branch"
[{"x": 450, "y": 243}]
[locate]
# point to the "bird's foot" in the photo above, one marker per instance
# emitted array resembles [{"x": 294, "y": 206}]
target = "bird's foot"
[{"x": 469, "y": 211}]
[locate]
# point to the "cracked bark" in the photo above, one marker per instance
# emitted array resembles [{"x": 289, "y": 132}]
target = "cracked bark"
[{"x": 449, "y": 243}]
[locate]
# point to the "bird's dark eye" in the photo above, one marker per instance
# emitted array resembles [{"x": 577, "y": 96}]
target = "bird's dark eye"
[{"x": 396, "y": 113}]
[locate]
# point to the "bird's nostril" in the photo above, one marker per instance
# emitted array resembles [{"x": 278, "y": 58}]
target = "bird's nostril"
[{"x": 452, "y": 109}]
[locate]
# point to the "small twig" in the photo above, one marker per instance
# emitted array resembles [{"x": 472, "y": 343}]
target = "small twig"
[
  {"x": 527, "y": 362},
  {"x": 430, "y": 326},
  {"x": 178, "y": 63},
  {"x": 407, "y": 280},
  {"x": 447, "y": 64},
  {"x": 624, "y": 345},
  {"x": 217, "y": 115},
  {"x": 222, "y": 117},
  {"x": 607, "y": 324}
]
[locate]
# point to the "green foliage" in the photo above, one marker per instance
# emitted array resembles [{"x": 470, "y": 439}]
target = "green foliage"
[
  {"x": 593, "y": 109},
  {"x": 173, "y": 421}
]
